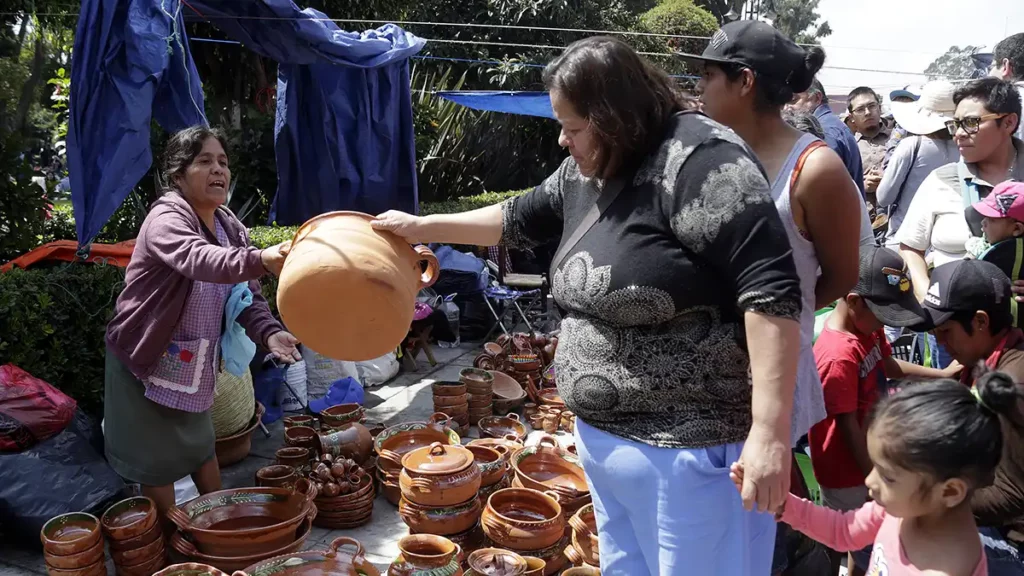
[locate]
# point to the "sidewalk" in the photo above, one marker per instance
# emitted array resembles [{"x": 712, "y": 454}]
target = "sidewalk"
[{"x": 407, "y": 398}]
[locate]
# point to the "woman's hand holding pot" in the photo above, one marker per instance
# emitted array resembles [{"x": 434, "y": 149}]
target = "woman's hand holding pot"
[
  {"x": 405, "y": 225},
  {"x": 273, "y": 257}
]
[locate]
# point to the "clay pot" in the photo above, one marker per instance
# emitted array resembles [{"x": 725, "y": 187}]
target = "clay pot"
[
  {"x": 550, "y": 397},
  {"x": 546, "y": 466},
  {"x": 439, "y": 475},
  {"x": 534, "y": 566},
  {"x": 537, "y": 421},
  {"x": 510, "y": 442},
  {"x": 444, "y": 401},
  {"x": 351, "y": 441},
  {"x": 333, "y": 562},
  {"x": 392, "y": 492},
  {"x": 302, "y": 437},
  {"x": 276, "y": 476},
  {"x": 70, "y": 533},
  {"x": 76, "y": 561},
  {"x": 523, "y": 519},
  {"x": 490, "y": 462},
  {"x": 584, "y": 521},
  {"x": 98, "y": 568},
  {"x": 299, "y": 420},
  {"x": 235, "y": 448},
  {"x": 395, "y": 442},
  {"x": 587, "y": 547},
  {"x": 348, "y": 291},
  {"x": 192, "y": 569},
  {"x": 129, "y": 518},
  {"x": 550, "y": 423},
  {"x": 456, "y": 389},
  {"x": 138, "y": 555},
  {"x": 148, "y": 537},
  {"x": 553, "y": 556},
  {"x": 496, "y": 562},
  {"x": 245, "y": 521},
  {"x": 229, "y": 563},
  {"x": 568, "y": 421},
  {"x": 294, "y": 456},
  {"x": 441, "y": 521},
  {"x": 501, "y": 426},
  {"x": 426, "y": 553},
  {"x": 529, "y": 409},
  {"x": 341, "y": 414}
]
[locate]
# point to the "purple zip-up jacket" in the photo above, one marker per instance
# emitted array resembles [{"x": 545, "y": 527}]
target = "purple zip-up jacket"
[{"x": 172, "y": 251}]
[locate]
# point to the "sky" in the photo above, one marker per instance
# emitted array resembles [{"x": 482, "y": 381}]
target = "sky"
[{"x": 906, "y": 36}]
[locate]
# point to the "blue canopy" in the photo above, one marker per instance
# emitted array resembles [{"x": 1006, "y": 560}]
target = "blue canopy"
[
  {"x": 343, "y": 137},
  {"x": 528, "y": 103}
]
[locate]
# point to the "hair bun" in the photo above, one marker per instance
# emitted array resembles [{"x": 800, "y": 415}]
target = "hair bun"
[
  {"x": 800, "y": 79},
  {"x": 998, "y": 392}
]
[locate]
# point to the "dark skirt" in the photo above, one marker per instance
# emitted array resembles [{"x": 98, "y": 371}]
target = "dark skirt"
[{"x": 147, "y": 443}]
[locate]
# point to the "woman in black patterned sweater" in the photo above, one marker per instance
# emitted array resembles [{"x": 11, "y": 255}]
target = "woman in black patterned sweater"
[{"x": 679, "y": 349}]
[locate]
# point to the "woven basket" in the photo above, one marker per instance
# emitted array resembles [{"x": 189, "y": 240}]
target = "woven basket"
[{"x": 233, "y": 403}]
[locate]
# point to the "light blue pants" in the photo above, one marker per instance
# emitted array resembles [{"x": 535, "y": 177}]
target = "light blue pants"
[{"x": 671, "y": 512}]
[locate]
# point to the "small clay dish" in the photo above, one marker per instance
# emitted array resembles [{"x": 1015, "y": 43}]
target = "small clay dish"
[
  {"x": 302, "y": 436},
  {"x": 137, "y": 555},
  {"x": 129, "y": 518},
  {"x": 496, "y": 562},
  {"x": 139, "y": 541},
  {"x": 341, "y": 414},
  {"x": 448, "y": 388},
  {"x": 74, "y": 561},
  {"x": 70, "y": 533}
]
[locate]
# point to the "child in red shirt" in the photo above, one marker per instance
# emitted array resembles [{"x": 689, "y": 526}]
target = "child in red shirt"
[{"x": 854, "y": 360}]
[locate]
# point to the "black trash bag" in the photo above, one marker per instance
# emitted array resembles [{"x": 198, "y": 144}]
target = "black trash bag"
[{"x": 66, "y": 473}]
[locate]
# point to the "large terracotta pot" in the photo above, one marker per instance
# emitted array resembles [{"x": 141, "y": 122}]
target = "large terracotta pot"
[
  {"x": 351, "y": 441},
  {"x": 523, "y": 519},
  {"x": 426, "y": 554},
  {"x": 440, "y": 521},
  {"x": 347, "y": 290},
  {"x": 439, "y": 475}
]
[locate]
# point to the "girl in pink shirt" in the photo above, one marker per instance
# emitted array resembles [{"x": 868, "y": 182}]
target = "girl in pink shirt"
[{"x": 932, "y": 445}]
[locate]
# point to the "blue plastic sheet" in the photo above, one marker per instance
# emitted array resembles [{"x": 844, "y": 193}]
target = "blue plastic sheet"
[
  {"x": 343, "y": 137},
  {"x": 528, "y": 103}
]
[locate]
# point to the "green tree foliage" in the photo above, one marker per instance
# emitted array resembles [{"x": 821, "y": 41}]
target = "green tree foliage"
[
  {"x": 799, "y": 20},
  {"x": 677, "y": 17}
]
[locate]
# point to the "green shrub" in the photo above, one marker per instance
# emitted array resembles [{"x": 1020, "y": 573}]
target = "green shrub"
[
  {"x": 680, "y": 17},
  {"x": 22, "y": 202}
]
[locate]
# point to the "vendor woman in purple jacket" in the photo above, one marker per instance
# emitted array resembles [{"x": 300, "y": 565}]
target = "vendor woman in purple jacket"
[{"x": 163, "y": 344}]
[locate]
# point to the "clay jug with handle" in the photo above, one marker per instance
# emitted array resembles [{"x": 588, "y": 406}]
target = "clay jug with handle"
[{"x": 348, "y": 291}]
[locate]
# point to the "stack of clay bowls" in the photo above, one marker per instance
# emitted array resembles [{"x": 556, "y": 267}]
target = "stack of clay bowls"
[
  {"x": 529, "y": 523},
  {"x": 480, "y": 386},
  {"x": 584, "y": 551},
  {"x": 135, "y": 537},
  {"x": 493, "y": 464},
  {"x": 73, "y": 545},
  {"x": 344, "y": 493},
  {"x": 451, "y": 398},
  {"x": 526, "y": 366},
  {"x": 439, "y": 485}
]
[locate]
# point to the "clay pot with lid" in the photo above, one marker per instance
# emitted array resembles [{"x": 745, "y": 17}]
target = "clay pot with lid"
[
  {"x": 426, "y": 554},
  {"x": 496, "y": 562},
  {"x": 347, "y": 290},
  {"x": 523, "y": 519},
  {"x": 439, "y": 475}
]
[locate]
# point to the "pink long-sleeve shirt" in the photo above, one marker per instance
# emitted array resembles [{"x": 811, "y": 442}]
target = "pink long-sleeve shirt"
[{"x": 846, "y": 531}]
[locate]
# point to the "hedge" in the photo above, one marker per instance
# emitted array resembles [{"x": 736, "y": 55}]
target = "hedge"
[{"x": 53, "y": 318}]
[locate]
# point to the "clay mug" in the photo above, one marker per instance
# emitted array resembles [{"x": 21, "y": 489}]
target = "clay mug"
[
  {"x": 276, "y": 476},
  {"x": 551, "y": 424},
  {"x": 295, "y": 456},
  {"x": 537, "y": 421},
  {"x": 347, "y": 290},
  {"x": 529, "y": 409}
]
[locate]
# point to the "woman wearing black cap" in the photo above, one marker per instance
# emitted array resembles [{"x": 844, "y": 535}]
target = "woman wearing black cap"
[{"x": 681, "y": 292}]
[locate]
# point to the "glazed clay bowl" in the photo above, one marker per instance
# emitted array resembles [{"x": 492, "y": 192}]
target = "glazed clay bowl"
[
  {"x": 147, "y": 537},
  {"x": 294, "y": 456},
  {"x": 192, "y": 569},
  {"x": 129, "y": 518},
  {"x": 550, "y": 397},
  {"x": 455, "y": 400},
  {"x": 276, "y": 476},
  {"x": 302, "y": 437},
  {"x": 486, "y": 491},
  {"x": 546, "y": 466},
  {"x": 491, "y": 463},
  {"x": 137, "y": 555},
  {"x": 299, "y": 420},
  {"x": 587, "y": 549},
  {"x": 354, "y": 513},
  {"x": 502, "y": 426},
  {"x": 569, "y": 505},
  {"x": 98, "y": 568},
  {"x": 244, "y": 521},
  {"x": 510, "y": 442},
  {"x": 523, "y": 519},
  {"x": 454, "y": 411},
  {"x": 476, "y": 376},
  {"x": 453, "y": 389},
  {"x": 553, "y": 556},
  {"x": 146, "y": 568},
  {"x": 230, "y": 563},
  {"x": 439, "y": 475},
  {"x": 584, "y": 522},
  {"x": 74, "y": 561},
  {"x": 71, "y": 533},
  {"x": 496, "y": 562},
  {"x": 505, "y": 386},
  {"x": 440, "y": 521},
  {"x": 395, "y": 442},
  {"x": 336, "y": 561},
  {"x": 582, "y": 571},
  {"x": 348, "y": 290},
  {"x": 426, "y": 554},
  {"x": 341, "y": 414}
]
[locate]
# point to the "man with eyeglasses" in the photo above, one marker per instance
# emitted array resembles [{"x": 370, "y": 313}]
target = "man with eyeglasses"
[
  {"x": 1008, "y": 64},
  {"x": 865, "y": 119}
]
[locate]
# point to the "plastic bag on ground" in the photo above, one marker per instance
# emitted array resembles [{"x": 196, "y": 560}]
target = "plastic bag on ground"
[
  {"x": 377, "y": 371},
  {"x": 321, "y": 371},
  {"x": 59, "y": 475},
  {"x": 30, "y": 409}
]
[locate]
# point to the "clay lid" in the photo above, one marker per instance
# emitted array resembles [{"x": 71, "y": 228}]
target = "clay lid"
[
  {"x": 438, "y": 459},
  {"x": 496, "y": 562}
]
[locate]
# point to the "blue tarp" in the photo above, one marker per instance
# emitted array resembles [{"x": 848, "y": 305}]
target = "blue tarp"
[
  {"x": 343, "y": 136},
  {"x": 528, "y": 103}
]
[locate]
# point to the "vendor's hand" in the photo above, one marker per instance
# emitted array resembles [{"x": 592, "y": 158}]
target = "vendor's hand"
[
  {"x": 405, "y": 225},
  {"x": 1018, "y": 290},
  {"x": 273, "y": 257},
  {"x": 765, "y": 463},
  {"x": 953, "y": 370},
  {"x": 283, "y": 346}
]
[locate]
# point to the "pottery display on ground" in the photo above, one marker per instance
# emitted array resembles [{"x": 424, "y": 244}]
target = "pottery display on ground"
[
  {"x": 233, "y": 449},
  {"x": 352, "y": 440},
  {"x": 134, "y": 533},
  {"x": 345, "y": 557},
  {"x": 347, "y": 290},
  {"x": 523, "y": 519},
  {"x": 426, "y": 554},
  {"x": 397, "y": 441},
  {"x": 502, "y": 426},
  {"x": 441, "y": 521},
  {"x": 187, "y": 550},
  {"x": 439, "y": 475},
  {"x": 245, "y": 521},
  {"x": 496, "y": 562}
]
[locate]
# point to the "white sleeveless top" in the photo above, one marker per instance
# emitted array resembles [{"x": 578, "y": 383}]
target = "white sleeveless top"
[{"x": 808, "y": 400}]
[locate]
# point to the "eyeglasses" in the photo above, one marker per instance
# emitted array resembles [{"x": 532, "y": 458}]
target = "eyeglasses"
[
  {"x": 970, "y": 124},
  {"x": 865, "y": 109}
]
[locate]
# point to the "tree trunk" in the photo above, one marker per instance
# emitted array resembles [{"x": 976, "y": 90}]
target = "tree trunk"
[
  {"x": 28, "y": 91},
  {"x": 22, "y": 32}
]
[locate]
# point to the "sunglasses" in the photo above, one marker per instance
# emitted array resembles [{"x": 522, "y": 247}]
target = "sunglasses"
[{"x": 970, "y": 124}]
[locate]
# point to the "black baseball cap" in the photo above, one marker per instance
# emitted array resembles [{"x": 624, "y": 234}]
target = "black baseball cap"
[
  {"x": 755, "y": 45},
  {"x": 884, "y": 284},
  {"x": 966, "y": 286}
]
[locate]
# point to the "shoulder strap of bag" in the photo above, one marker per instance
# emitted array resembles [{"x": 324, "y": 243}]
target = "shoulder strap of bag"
[
  {"x": 903, "y": 185},
  {"x": 608, "y": 195},
  {"x": 800, "y": 164}
]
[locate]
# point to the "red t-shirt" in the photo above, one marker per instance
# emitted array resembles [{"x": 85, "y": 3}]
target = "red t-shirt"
[{"x": 852, "y": 376}]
